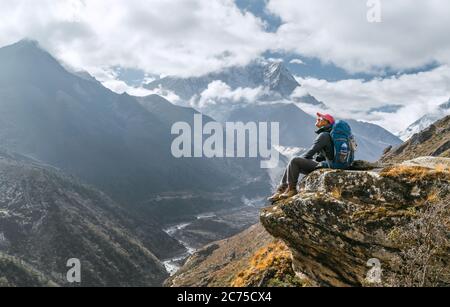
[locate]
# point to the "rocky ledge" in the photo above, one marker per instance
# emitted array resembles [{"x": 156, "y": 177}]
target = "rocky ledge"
[{"x": 344, "y": 222}]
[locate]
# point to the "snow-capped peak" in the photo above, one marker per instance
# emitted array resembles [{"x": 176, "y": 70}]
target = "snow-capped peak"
[
  {"x": 425, "y": 121},
  {"x": 278, "y": 78}
]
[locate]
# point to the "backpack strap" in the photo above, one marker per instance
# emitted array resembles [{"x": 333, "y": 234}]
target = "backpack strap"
[{"x": 328, "y": 161}]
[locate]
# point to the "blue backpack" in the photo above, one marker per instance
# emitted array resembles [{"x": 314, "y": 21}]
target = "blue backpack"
[{"x": 344, "y": 146}]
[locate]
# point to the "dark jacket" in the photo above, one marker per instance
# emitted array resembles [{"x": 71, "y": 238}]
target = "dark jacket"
[{"x": 322, "y": 144}]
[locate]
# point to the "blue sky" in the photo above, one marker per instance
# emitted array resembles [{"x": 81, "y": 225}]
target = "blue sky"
[
  {"x": 314, "y": 67},
  {"x": 258, "y": 8}
]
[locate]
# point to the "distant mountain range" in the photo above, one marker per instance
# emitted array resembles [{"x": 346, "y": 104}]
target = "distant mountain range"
[
  {"x": 268, "y": 81},
  {"x": 297, "y": 129},
  {"x": 274, "y": 83},
  {"x": 62, "y": 125},
  {"x": 391, "y": 108},
  {"x": 260, "y": 73},
  {"x": 280, "y": 103},
  {"x": 119, "y": 143}
]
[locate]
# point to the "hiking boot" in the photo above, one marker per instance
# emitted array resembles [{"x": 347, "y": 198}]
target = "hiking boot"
[
  {"x": 290, "y": 192},
  {"x": 276, "y": 197}
]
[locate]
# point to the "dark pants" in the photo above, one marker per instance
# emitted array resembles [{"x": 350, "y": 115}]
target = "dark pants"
[{"x": 296, "y": 167}]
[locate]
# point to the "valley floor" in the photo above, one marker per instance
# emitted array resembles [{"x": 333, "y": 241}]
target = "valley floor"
[{"x": 210, "y": 227}]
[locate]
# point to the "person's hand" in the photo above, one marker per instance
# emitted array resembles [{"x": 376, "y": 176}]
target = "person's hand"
[{"x": 320, "y": 159}]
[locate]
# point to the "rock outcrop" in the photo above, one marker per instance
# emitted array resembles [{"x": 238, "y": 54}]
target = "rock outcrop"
[
  {"x": 342, "y": 220},
  {"x": 394, "y": 213},
  {"x": 340, "y": 224}
]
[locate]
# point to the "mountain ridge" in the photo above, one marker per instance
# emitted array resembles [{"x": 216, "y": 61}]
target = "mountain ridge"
[
  {"x": 47, "y": 218},
  {"x": 273, "y": 75},
  {"x": 425, "y": 121},
  {"x": 433, "y": 141}
]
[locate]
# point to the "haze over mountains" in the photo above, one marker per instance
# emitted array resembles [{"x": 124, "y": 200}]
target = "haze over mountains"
[
  {"x": 118, "y": 143},
  {"x": 112, "y": 141},
  {"x": 265, "y": 90},
  {"x": 64, "y": 124}
]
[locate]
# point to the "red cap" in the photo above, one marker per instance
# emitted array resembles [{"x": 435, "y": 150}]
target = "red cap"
[{"x": 328, "y": 117}]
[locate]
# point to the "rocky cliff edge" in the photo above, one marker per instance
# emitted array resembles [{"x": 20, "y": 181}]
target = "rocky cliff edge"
[{"x": 352, "y": 228}]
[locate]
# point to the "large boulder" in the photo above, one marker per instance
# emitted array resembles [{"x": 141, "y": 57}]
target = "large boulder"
[{"x": 343, "y": 221}]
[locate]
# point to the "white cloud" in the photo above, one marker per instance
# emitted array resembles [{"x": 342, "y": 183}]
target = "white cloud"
[
  {"x": 193, "y": 37},
  {"x": 411, "y": 34},
  {"x": 168, "y": 95},
  {"x": 188, "y": 37},
  {"x": 218, "y": 92},
  {"x": 121, "y": 87},
  {"x": 297, "y": 61},
  {"x": 299, "y": 92},
  {"x": 419, "y": 94},
  {"x": 109, "y": 78}
]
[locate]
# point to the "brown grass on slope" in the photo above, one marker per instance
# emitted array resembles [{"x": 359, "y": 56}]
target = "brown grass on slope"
[
  {"x": 270, "y": 266},
  {"x": 416, "y": 173},
  {"x": 433, "y": 141}
]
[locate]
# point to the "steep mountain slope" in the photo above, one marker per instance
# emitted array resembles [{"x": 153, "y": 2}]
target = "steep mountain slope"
[
  {"x": 219, "y": 263},
  {"x": 425, "y": 121},
  {"x": 433, "y": 141},
  {"x": 296, "y": 127},
  {"x": 278, "y": 78},
  {"x": 166, "y": 111},
  {"x": 252, "y": 258},
  {"x": 250, "y": 181},
  {"x": 16, "y": 273},
  {"x": 47, "y": 218}
]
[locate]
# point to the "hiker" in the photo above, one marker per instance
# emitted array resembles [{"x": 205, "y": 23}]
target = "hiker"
[{"x": 323, "y": 150}]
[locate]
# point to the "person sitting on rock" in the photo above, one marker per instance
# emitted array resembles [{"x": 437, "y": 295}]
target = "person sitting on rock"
[{"x": 306, "y": 163}]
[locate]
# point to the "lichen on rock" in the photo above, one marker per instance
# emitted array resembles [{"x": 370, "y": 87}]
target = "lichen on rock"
[{"x": 342, "y": 219}]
